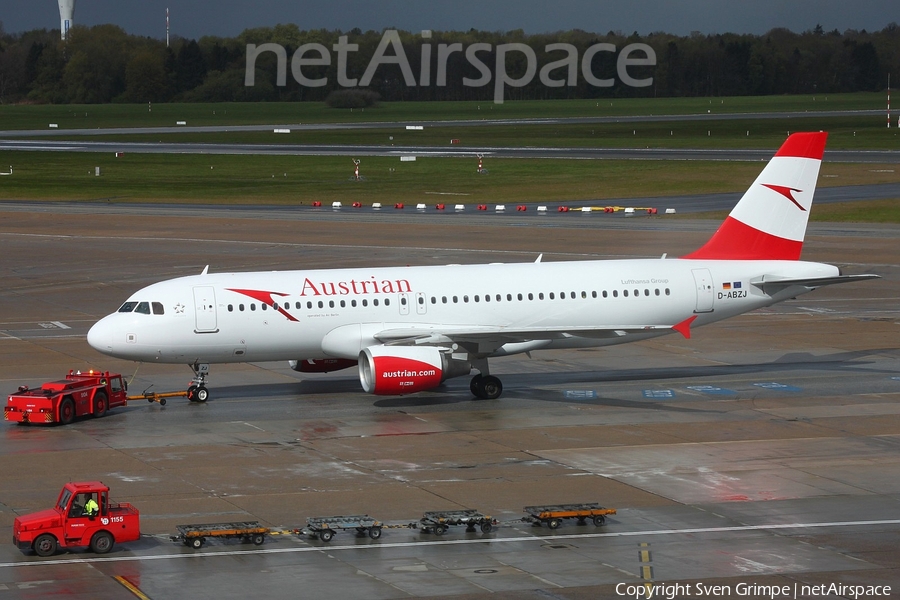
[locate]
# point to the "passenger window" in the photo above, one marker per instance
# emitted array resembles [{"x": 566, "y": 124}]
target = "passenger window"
[
  {"x": 297, "y": 305},
  {"x": 624, "y": 293},
  {"x": 455, "y": 299},
  {"x": 531, "y": 296},
  {"x": 421, "y": 300},
  {"x": 365, "y": 302},
  {"x": 143, "y": 308},
  {"x": 646, "y": 292},
  {"x": 443, "y": 299},
  {"x": 594, "y": 294},
  {"x": 252, "y": 306},
  {"x": 667, "y": 291},
  {"x": 637, "y": 293},
  {"x": 465, "y": 298},
  {"x": 656, "y": 291},
  {"x": 127, "y": 307},
  {"x": 331, "y": 304},
  {"x": 230, "y": 308},
  {"x": 433, "y": 300},
  {"x": 519, "y": 296},
  {"x": 572, "y": 295},
  {"x": 487, "y": 297},
  {"x": 508, "y": 298},
  {"x": 387, "y": 302},
  {"x": 476, "y": 298},
  {"x": 309, "y": 304},
  {"x": 241, "y": 307},
  {"x": 615, "y": 293},
  {"x": 158, "y": 308},
  {"x": 353, "y": 303},
  {"x": 264, "y": 306},
  {"x": 343, "y": 304},
  {"x": 375, "y": 302},
  {"x": 552, "y": 297},
  {"x": 321, "y": 304},
  {"x": 541, "y": 296},
  {"x": 403, "y": 301}
]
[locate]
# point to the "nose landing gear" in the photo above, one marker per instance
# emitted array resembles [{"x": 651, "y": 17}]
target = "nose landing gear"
[{"x": 197, "y": 391}]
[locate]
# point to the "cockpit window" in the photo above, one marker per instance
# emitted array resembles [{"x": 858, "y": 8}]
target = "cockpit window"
[
  {"x": 128, "y": 307},
  {"x": 158, "y": 308},
  {"x": 143, "y": 308}
]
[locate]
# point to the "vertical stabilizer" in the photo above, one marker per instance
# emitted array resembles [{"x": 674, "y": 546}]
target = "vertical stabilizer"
[{"x": 769, "y": 222}]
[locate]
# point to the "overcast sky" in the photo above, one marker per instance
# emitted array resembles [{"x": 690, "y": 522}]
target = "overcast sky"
[{"x": 196, "y": 18}]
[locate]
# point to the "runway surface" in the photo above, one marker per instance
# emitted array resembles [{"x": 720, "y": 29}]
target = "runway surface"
[
  {"x": 18, "y": 144},
  {"x": 709, "y": 116},
  {"x": 848, "y": 156},
  {"x": 764, "y": 451}
]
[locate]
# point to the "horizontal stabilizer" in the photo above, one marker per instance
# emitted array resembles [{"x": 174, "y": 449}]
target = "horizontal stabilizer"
[{"x": 767, "y": 284}]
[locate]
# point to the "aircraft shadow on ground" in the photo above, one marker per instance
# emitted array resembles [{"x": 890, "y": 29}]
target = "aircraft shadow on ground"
[{"x": 532, "y": 386}]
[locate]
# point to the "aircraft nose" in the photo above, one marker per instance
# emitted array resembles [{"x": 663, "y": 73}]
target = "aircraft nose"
[{"x": 100, "y": 336}]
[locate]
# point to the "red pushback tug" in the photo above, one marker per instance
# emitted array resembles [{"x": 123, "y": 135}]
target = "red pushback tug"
[
  {"x": 91, "y": 393},
  {"x": 72, "y": 523}
]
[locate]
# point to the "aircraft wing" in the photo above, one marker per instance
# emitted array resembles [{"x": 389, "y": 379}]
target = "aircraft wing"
[{"x": 489, "y": 338}]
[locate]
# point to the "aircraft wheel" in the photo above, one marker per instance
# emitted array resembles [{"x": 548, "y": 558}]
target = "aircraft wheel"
[
  {"x": 491, "y": 388},
  {"x": 201, "y": 394},
  {"x": 192, "y": 393},
  {"x": 475, "y": 386}
]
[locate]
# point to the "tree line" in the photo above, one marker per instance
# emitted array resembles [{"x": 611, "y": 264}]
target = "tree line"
[{"x": 104, "y": 64}]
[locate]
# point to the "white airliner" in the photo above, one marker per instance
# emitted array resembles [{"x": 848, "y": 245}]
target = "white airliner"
[{"x": 410, "y": 328}]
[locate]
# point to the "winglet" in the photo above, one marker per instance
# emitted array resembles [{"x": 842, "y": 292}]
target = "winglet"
[{"x": 684, "y": 328}]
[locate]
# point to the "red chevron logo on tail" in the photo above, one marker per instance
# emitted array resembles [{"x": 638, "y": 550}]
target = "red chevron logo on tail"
[{"x": 787, "y": 192}]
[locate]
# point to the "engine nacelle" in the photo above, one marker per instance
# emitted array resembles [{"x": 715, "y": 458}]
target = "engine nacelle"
[
  {"x": 321, "y": 365},
  {"x": 397, "y": 370}
]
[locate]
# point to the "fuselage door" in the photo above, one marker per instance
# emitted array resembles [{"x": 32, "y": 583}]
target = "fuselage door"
[
  {"x": 205, "y": 309},
  {"x": 705, "y": 294},
  {"x": 421, "y": 306},
  {"x": 404, "y": 303}
]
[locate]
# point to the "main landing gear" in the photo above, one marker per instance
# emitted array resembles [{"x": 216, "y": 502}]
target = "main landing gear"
[
  {"x": 486, "y": 387},
  {"x": 197, "y": 392}
]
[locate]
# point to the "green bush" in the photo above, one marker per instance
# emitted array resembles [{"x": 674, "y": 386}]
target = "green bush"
[{"x": 352, "y": 99}]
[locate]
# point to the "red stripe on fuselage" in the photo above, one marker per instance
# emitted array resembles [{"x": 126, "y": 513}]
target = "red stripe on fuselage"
[{"x": 736, "y": 241}]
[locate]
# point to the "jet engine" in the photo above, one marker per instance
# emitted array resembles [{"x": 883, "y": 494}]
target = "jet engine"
[{"x": 397, "y": 370}]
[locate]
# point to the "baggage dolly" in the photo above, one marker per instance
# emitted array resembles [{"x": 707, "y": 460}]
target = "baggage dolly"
[
  {"x": 194, "y": 536},
  {"x": 553, "y": 515},
  {"x": 439, "y": 521},
  {"x": 324, "y": 528}
]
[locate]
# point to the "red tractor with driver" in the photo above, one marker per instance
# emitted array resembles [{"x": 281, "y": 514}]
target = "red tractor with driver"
[{"x": 83, "y": 517}]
